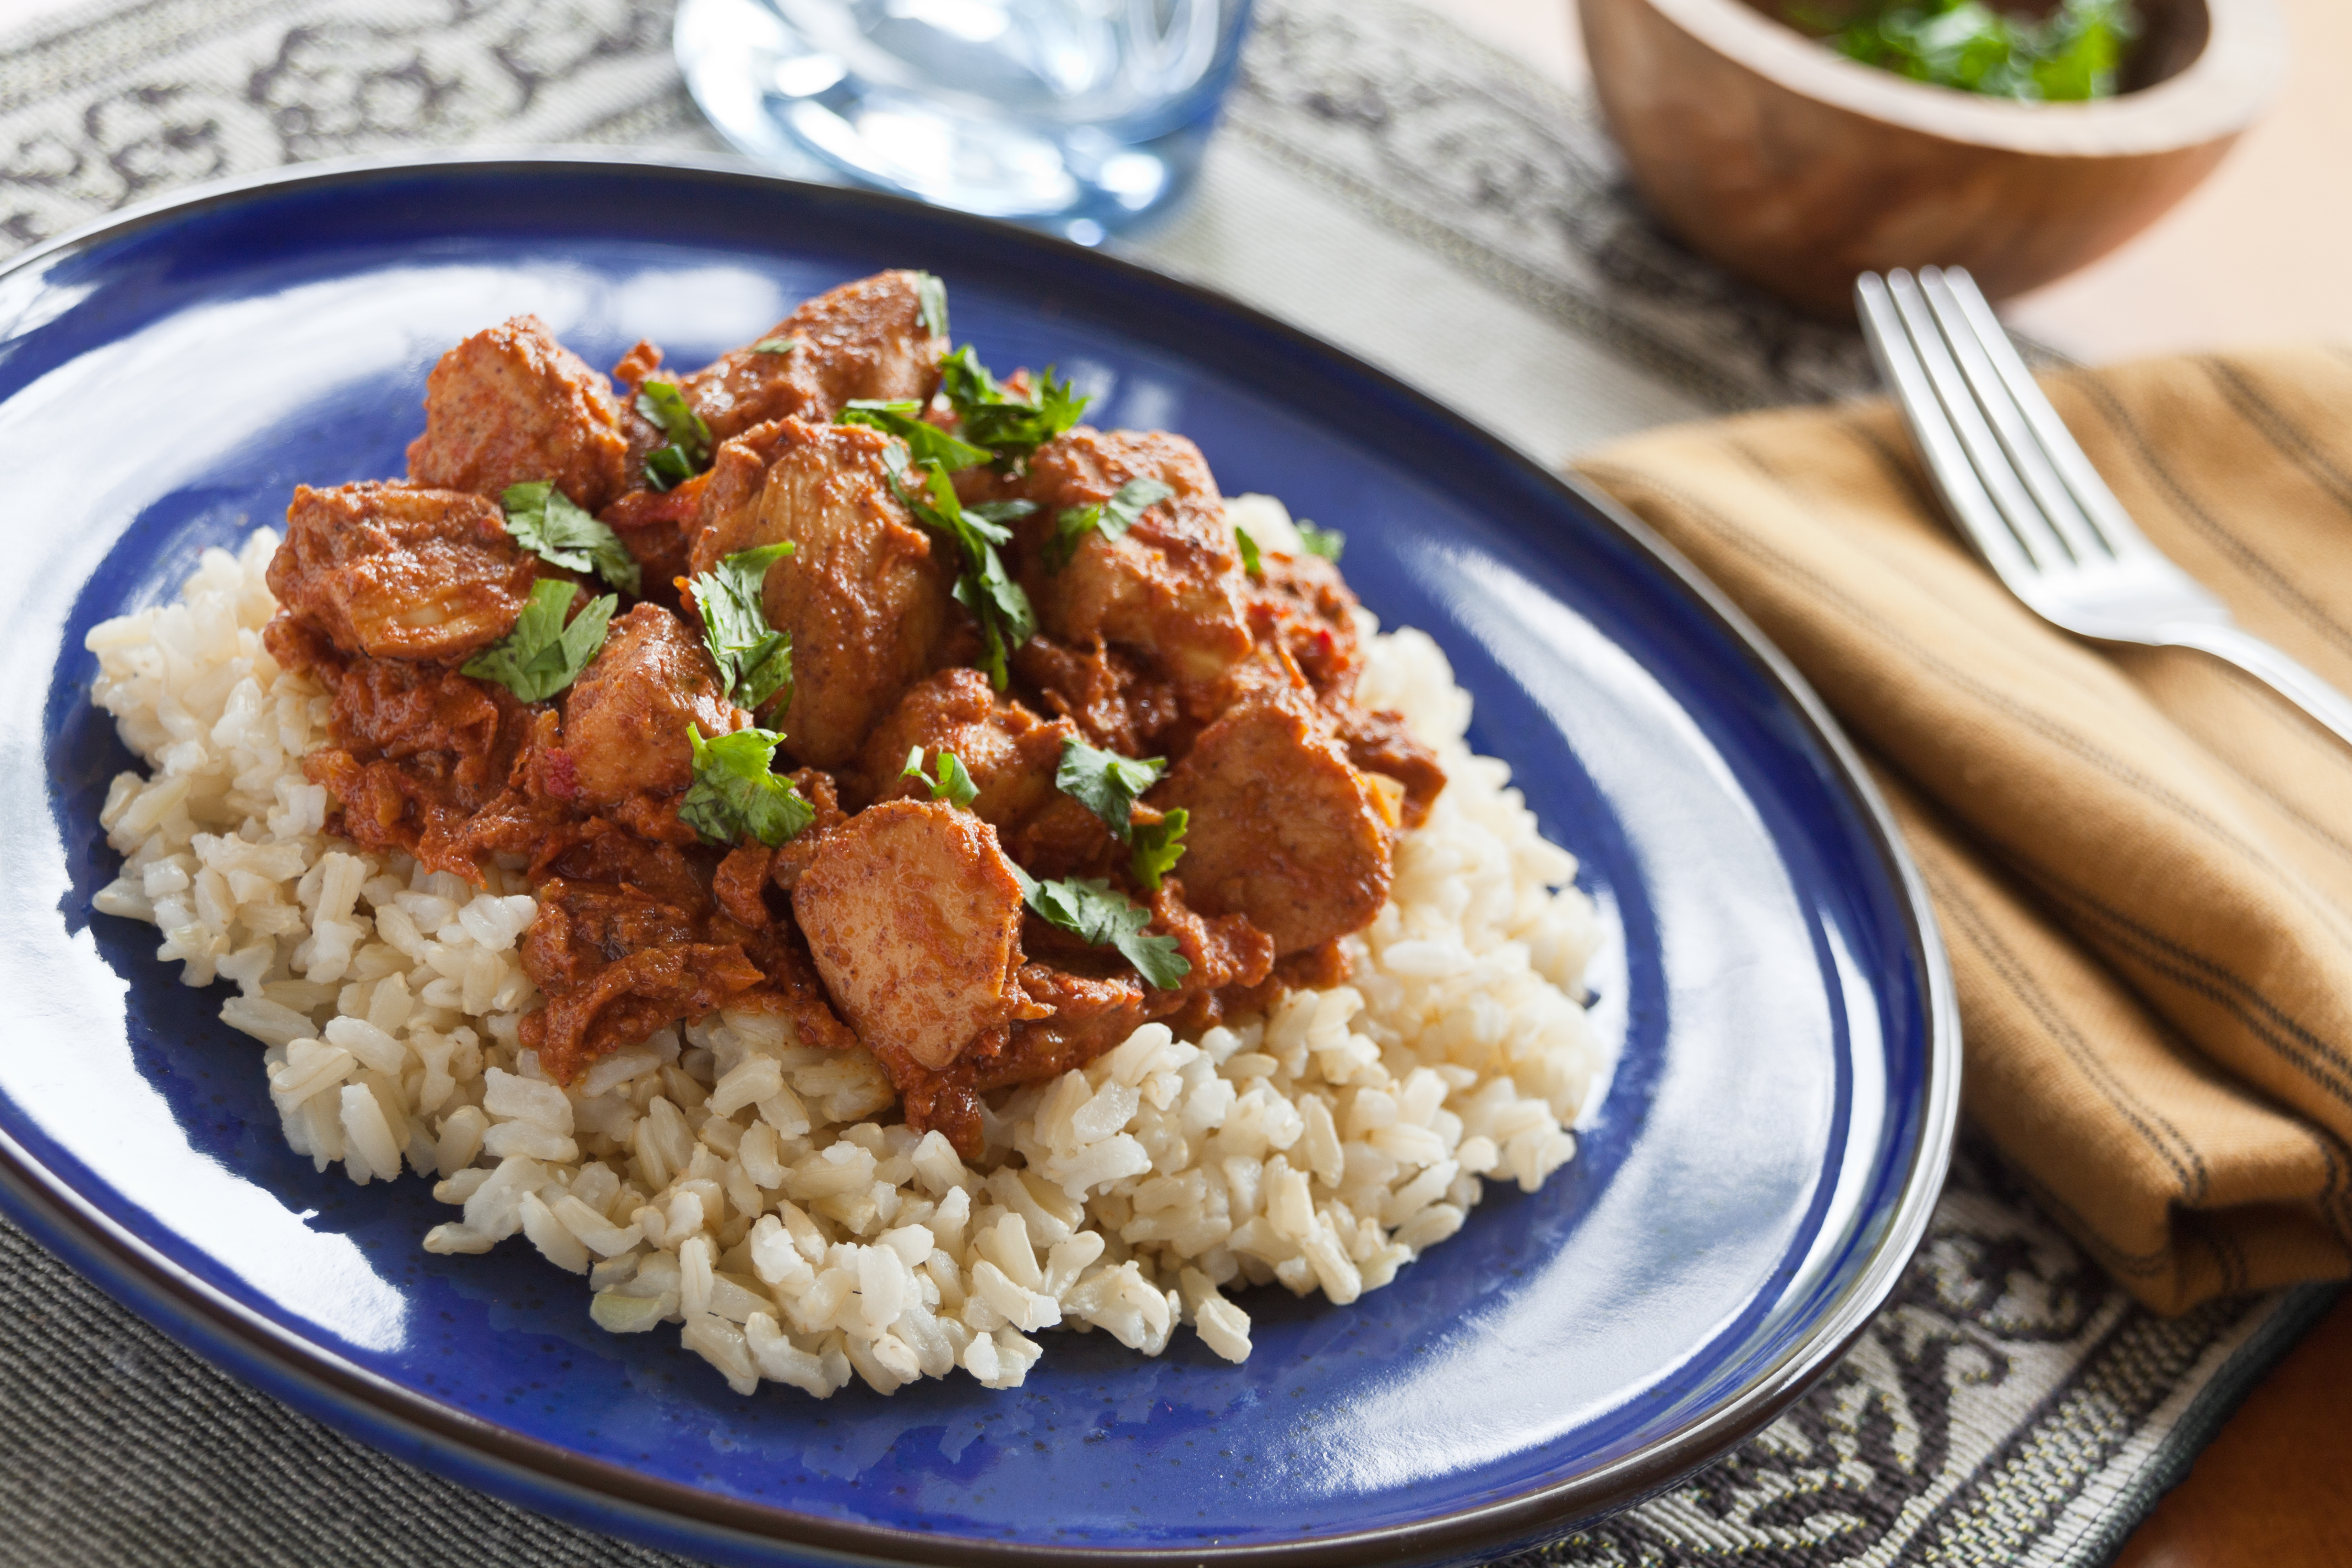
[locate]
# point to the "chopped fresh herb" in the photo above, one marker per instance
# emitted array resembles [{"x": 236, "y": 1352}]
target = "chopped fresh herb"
[
  {"x": 997, "y": 602},
  {"x": 1000, "y": 511},
  {"x": 931, "y": 296},
  {"x": 1112, "y": 518},
  {"x": 926, "y": 441},
  {"x": 542, "y": 656},
  {"x": 1106, "y": 783},
  {"x": 1010, "y": 423},
  {"x": 689, "y": 452},
  {"x": 754, "y": 659},
  {"x": 666, "y": 467},
  {"x": 1158, "y": 846},
  {"x": 543, "y": 521},
  {"x": 1251, "y": 563},
  {"x": 1089, "y": 908},
  {"x": 736, "y": 792},
  {"x": 1003, "y": 609},
  {"x": 1327, "y": 543},
  {"x": 954, "y": 786},
  {"x": 775, "y": 345},
  {"x": 2071, "y": 55}
]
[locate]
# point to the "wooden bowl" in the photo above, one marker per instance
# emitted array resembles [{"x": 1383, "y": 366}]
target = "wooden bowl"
[{"x": 1797, "y": 168}]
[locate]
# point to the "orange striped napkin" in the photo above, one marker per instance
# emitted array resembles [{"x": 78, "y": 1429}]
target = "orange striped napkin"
[{"x": 2142, "y": 860}]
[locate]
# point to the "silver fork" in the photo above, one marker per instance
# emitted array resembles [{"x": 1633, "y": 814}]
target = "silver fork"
[{"x": 2029, "y": 500}]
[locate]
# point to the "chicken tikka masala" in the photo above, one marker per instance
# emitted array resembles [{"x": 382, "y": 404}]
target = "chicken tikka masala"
[{"x": 841, "y": 679}]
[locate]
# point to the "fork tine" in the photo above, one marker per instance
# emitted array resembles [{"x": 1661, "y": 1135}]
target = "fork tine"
[
  {"x": 2042, "y": 543},
  {"x": 2099, "y": 503},
  {"x": 1948, "y": 466},
  {"x": 2001, "y": 409}
]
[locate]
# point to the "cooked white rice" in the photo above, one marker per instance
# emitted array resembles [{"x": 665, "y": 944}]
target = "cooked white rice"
[{"x": 729, "y": 1180}]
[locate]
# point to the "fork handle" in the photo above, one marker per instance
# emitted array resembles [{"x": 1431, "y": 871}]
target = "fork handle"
[{"x": 2269, "y": 666}]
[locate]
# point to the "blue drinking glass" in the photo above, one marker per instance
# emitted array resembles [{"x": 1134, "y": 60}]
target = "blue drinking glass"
[{"x": 1074, "y": 115}]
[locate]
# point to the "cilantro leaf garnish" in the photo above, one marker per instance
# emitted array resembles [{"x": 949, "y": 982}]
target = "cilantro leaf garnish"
[
  {"x": 1009, "y": 424},
  {"x": 735, "y": 794},
  {"x": 2070, "y": 54},
  {"x": 997, "y": 602},
  {"x": 1158, "y": 846},
  {"x": 1327, "y": 543},
  {"x": 543, "y": 521},
  {"x": 754, "y": 659},
  {"x": 689, "y": 452},
  {"x": 1090, "y": 909},
  {"x": 931, "y": 296},
  {"x": 1251, "y": 563},
  {"x": 954, "y": 783},
  {"x": 775, "y": 345},
  {"x": 1112, "y": 518},
  {"x": 927, "y": 442},
  {"x": 1000, "y": 511},
  {"x": 542, "y": 656},
  {"x": 1106, "y": 783}
]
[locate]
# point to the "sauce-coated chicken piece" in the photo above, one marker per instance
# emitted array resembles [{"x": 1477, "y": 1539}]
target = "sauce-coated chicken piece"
[
  {"x": 625, "y": 719},
  {"x": 1092, "y": 1012},
  {"x": 866, "y": 593},
  {"x": 1382, "y": 742},
  {"x": 1284, "y": 828},
  {"x": 913, "y": 916},
  {"x": 863, "y": 340},
  {"x": 1169, "y": 588},
  {"x": 1010, "y": 753},
  {"x": 617, "y": 964},
  {"x": 1301, "y": 602},
  {"x": 395, "y": 572},
  {"x": 750, "y": 867},
  {"x": 657, "y": 529},
  {"x": 1083, "y": 1003},
  {"x": 901, "y": 927},
  {"x": 1116, "y": 703},
  {"x": 415, "y": 749},
  {"x": 511, "y": 406}
]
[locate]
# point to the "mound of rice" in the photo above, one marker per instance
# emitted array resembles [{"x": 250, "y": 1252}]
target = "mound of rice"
[{"x": 727, "y": 1179}]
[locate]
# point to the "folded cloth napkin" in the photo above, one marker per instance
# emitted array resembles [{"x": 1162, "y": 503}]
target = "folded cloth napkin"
[{"x": 2140, "y": 859}]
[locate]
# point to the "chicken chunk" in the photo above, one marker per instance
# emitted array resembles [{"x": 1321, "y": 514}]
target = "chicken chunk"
[
  {"x": 1302, "y": 602},
  {"x": 742, "y": 878},
  {"x": 511, "y": 406},
  {"x": 1112, "y": 698},
  {"x": 1091, "y": 1014},
  {"x": 1382, "y": 742},
  {"x": 658, "y": 527},
  {"x": 864, "y": 340},
  {"x": 865, "y": 596},
  {"x": 625, "y": 719},
  {"x": 414, "y": 751},
  {"x": 395, "y": 572},
  {"x": 1170, "y": 587},
  {"x": 1010, "y": 753},
  {"x": 617, "y": 963},
  {"x": 1284, "y": 829},
  {"x": 913, "y": 916}
]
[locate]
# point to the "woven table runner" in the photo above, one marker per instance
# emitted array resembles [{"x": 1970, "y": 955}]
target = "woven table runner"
[{"x": 1382, "y": 179}]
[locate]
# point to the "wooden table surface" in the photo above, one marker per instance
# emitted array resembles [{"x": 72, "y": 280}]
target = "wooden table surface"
[
  {"x": 2273, "y": 1489},
  {"x": 2258, "y": 254}
]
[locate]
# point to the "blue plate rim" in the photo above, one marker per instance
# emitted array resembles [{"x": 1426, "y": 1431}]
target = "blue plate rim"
[{"x": 219, "y": 1327}]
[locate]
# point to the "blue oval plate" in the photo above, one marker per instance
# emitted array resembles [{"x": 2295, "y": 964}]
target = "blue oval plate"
[{"x": 1758, "y": 1171}]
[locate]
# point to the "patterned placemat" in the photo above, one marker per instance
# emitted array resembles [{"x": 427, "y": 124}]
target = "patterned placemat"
[{"x": 1448, "y": 213}]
